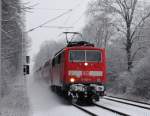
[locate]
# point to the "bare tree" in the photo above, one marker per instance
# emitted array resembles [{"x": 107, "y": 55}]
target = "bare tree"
[
  {"x": 127, "y": 12},
  {"x": 13, "y": 42},
  {"x": 124, "y": 11},
  {"x": 98, "y": 30}
]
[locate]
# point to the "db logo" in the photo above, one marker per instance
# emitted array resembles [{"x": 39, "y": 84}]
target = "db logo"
[{"x": 85, "y": 73}]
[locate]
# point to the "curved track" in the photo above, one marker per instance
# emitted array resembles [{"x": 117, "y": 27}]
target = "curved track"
[
  {"x": 129, "y": 102},
  {"x": 112, "y": 110},
  {"x": 84, "y": 110},
  {"x": 99, "y": 107}
]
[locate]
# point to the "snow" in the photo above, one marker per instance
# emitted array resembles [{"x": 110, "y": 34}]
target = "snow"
[
  {"x": 140, "y": 104},
  {"x": 100, "y": 111},
  {"x": 128, "y": 109},
  {"x": 16, "y": 102},
  {"x": 46, "y": 103}
]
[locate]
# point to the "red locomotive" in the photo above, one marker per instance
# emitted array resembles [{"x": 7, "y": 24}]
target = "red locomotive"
[{"x": 79, "y": 71}]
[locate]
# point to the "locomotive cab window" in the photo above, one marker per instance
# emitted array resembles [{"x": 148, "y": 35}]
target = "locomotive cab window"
[
  {"x": 77, "y": 56},
  {"x": 85, "y": 56},
  {"x": 93, "y": 56}
]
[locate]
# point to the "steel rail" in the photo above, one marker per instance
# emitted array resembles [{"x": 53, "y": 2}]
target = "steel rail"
[
  {"x": 112, "y": 110},
  {"x": 86, "y": 111},
  {"x": 129, "y": 100},
  {"x": 128, "y": 103}
]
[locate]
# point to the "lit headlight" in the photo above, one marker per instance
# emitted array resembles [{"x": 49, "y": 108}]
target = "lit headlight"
[
  {"x": 96, "y": 73},
  {"x": 72, "y": 80},
  {"x": 75, "y": 73}
]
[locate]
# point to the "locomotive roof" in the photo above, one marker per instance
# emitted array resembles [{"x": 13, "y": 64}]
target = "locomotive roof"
[{"x": 78, "y": 45}]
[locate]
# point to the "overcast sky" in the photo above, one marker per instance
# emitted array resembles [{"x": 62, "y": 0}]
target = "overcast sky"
[{"x": 48, "y": 9}]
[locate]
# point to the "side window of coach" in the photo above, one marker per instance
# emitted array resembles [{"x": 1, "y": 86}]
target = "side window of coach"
[
  {"x": 53, "y": 62},
  {"x": 56, "y": 60},
  {"x": 62, "y": 57},
  {"x": 59, "y": 58}
]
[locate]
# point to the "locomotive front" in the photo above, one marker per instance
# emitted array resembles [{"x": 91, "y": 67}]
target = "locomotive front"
[{"x": 85, "y": 72}]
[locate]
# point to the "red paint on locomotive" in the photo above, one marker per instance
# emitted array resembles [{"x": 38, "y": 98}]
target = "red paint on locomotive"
[
  {"x": 79, "y": 71},
  {"x": 62, "y": 66}
]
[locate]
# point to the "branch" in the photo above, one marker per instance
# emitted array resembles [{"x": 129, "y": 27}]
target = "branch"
[
  {"x": 132, "y": 9},
  {"x": 118, "y": 29},
  {"x": 134, "y": 54},
  {"x": 121, "y": 11},
  {"x": 125, "y": 10},
  {"x": 138, "y": 25},
  {"x": 6, "y": 33},
  {"x": 118, "y": 2}
]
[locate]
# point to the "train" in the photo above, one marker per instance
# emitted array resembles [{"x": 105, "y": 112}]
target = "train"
[{"x": 78, "y": 72}]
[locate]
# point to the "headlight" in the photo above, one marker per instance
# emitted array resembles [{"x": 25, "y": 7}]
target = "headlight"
[
  {"x": 75, "y": 73},
  {"x": 72, "y": 80}
]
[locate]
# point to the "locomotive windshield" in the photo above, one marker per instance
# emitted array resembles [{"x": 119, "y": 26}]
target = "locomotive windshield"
[{"x": 85, "y": 56}]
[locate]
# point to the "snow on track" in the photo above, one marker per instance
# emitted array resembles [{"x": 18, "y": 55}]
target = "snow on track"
[
  {"x": 100, "y": 111},
  {"x": 131, "y": 110},
  {"x": 130, "y": 102},
  {"x": 46, "y": 103}
]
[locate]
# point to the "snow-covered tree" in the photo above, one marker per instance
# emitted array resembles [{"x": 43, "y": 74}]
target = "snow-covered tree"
[
  {"x": 126, "y": 16},
  {"x": 47, "y": 51},
  {"x": 141, "y": 71}
]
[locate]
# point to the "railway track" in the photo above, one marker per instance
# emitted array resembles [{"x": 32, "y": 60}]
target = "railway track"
[
  {"x": 112, "y": 110},
  {"x": 95, "y": 107},
  {"x": 100, "y": 107},
  {"x": 84, "y": 110},
  {"x": 129, "y": 102}
]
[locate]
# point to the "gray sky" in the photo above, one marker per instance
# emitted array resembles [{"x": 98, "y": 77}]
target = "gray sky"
[{"x": 44, "y": 10}]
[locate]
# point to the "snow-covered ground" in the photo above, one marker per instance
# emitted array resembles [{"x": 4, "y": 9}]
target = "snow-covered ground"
[
  {"x": 15, "y": 103},
  {"x": 46, "y": 103},
  {"x": 131, "y": 102},
  {"x": 128, "y": 109}
]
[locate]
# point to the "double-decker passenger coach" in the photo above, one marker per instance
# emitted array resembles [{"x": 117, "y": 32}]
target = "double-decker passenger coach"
[{"x": 78, "y": 71}]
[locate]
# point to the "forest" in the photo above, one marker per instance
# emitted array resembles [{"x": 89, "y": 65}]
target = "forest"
[
  {"x": 122, "y": 28},
  {"x": 14, "y": 44}
]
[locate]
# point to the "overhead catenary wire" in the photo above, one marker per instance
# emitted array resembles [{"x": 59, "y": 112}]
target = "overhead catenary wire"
[
  {"x": 78, "y": 19},
  {"x": 74, "y": 23},
  {"x": 59, "y": 27},
  {"x": 51, "y": 10},
  {"x": 69, "y": 27},
  {"x": 67, "y": 20},
  {"x": 48, "y": 21},
  {"x": 53, "y": 19}
]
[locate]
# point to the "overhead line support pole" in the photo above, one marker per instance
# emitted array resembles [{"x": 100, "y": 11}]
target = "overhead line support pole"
[{"x": 0, "y": 47}]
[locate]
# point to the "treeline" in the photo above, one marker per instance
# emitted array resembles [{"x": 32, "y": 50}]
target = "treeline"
[
  {"x": 14, "y": 43},
  {"x": 13, "y": 50},
  {"x": 122, "y": 27},
  {"x": 46, "y": 53},
  {"x": 12, "y": 37}
]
